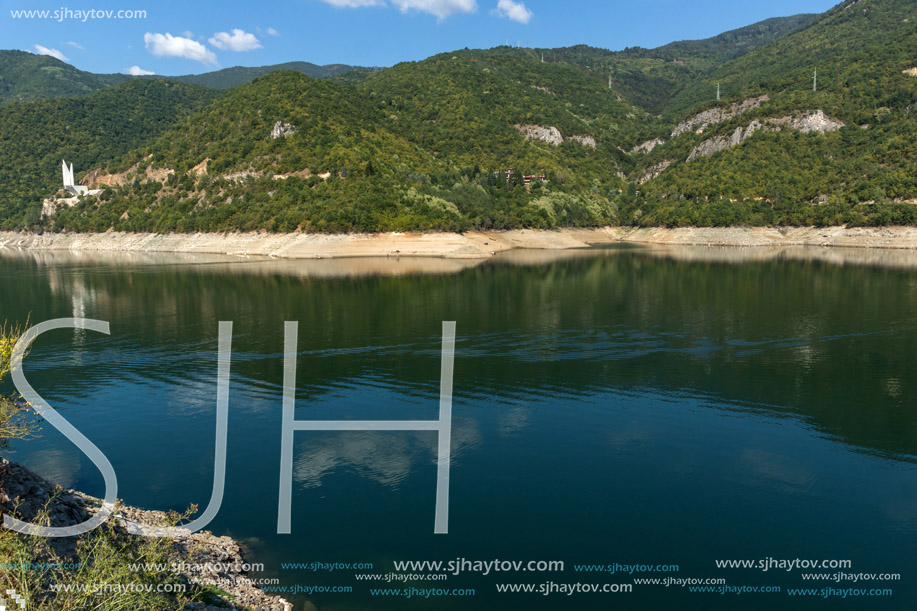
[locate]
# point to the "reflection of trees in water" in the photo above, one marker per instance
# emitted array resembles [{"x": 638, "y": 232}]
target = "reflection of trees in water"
[{"x": 828, "y": 343}]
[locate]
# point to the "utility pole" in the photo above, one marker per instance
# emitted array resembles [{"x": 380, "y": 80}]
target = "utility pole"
[
  {"x": 717, "y": 92},
  {"x": 815, "y": 80}
]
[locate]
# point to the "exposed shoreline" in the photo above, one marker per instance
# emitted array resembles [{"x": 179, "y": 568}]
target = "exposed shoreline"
[
  {"x": 217, "y": 561},
  {"x": 469, "y": 245}
]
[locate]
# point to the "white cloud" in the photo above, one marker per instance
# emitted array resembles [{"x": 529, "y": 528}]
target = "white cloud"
[
  {"x": 167, "y": 45},
  {"x": 516, "y": 11},
  {"x": 52, "y": 52},
  {"x": 138, "y": 71},
  {"x": 354, "y": 3},
  {"x": 239, "y": 40},
  {"x": 75, "y": 45},
  {"x": 440, "y": 8},
  {"x": 188, "y": 34},
  {"x": 273, "y": 32}
]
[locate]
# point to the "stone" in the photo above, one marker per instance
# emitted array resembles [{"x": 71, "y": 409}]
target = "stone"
[
  {"x": 648, "y": 146},
  {"x": 281, "y": 129},
  {"x": 814, "y": 121},
  {"x": 552, "y": 135},
  {"x": 587, "y": 141},
  {"x": 717, "y": 115},
  {"x": 24, "y": 494},
  {"x": 548, "y": 134},
  {"x": 654, "y": 171}
]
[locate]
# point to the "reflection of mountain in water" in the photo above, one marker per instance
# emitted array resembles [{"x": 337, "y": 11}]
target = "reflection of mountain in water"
[{"x": 790, "y": 335}]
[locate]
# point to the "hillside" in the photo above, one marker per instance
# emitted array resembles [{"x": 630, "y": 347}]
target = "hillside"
[
  {"x": 467, "y": 107},
  {"x": 645, "y": 77},
  {"x": 421, "y": 145},
  {"x": 239, "y": 75},
  {"x": 88, "y": 130},
  {"x": 651, "y": 78},
  {"x": 837, "y": 43},
  {"x": 735, "y": 43},
  {"x": 505, "y": 138},
  {"x": 858, "y": 170},
  {"x": 25, "y": 76}
]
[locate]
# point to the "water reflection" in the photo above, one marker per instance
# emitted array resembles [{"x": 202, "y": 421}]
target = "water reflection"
[
  {"x": 794, "y": 475},
  {"x": 383, "y": 457},
  {"x": 762, "y": 392},
  {"x": 58, "y": 466},
  {"x": 765, "y": 331},
  {"x": 396, "y": 266}
]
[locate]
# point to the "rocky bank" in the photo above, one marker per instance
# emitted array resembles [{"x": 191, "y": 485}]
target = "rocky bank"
[
  {"x": 26, "y": 494},
  {"x": 468, "y": 245}
]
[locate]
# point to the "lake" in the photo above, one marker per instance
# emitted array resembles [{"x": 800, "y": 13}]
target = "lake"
[{"x": 632, "y": 406}]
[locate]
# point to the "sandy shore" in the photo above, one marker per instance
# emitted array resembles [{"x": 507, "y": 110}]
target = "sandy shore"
[{"x": 469, "y": 245}]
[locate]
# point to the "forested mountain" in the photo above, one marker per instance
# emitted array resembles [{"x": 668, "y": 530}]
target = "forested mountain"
[
  {"x": 421, "y": 146},
  {"x": 86, "y": 131},
  {"x": 650, "y": 78},
  {"x": 451, "y": 104},
  {"x": 735, "y": 43},
  {"x": 646, "y": 77},
  {"x": 239, "y": 75},
  {"x": 856, "y": 41},
  {"x": 859, "y": 170},
  {"x": 25, "y": 76},
  {"x": 430, "y": 144}
]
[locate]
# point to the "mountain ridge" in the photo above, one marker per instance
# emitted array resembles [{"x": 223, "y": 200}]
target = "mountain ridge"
[
  {"x": 49, "y": 77},
  {"x": 503, "y": 137},
  {"x": 69, "y": 80}
]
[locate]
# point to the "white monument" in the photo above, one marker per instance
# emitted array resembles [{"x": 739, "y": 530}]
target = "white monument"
[{"x": 69, "y": 182}]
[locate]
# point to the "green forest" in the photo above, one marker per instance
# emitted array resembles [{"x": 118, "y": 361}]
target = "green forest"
[{"x": 446, "y": 143}]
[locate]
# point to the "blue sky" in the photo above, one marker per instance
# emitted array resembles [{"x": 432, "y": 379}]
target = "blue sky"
[{"x": 199, "y": 36}]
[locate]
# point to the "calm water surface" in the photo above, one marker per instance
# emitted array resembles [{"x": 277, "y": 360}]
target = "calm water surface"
[{"x": 615, "y": 406}]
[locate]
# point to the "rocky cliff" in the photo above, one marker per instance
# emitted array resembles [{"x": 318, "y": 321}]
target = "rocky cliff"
[
  {"x": 815, "y": 121},
  {"x": 713, "y": 116},
  {"x": 552, "y": 135}
]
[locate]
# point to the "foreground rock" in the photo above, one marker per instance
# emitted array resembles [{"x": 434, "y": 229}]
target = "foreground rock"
[{"x": 213, "y": 561}]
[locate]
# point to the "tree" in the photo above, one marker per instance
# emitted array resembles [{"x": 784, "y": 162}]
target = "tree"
[{"x": 12, "y": 410}]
